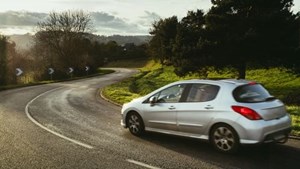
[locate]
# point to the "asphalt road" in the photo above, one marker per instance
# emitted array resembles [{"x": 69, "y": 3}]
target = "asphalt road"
[{"x": 67, "y": 125}]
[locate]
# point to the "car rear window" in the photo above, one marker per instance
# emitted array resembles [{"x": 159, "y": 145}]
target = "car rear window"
[{"x": 251, "y": 93}]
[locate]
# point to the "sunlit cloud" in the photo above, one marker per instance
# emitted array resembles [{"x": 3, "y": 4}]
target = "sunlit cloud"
[
  {"x": 13, "y": 22},
  {"x": 16, "y": 30},
  {"x": 107, "y": 24},
  {"x": 128, "y": 17}
]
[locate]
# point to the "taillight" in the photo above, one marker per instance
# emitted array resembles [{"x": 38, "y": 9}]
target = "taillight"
[
  {"x": 252, "y": 83},
  {"x": 247, "y": 112}
]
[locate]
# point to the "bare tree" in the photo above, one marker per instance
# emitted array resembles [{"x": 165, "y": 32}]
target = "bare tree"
[{"x": 60, "y": 39}]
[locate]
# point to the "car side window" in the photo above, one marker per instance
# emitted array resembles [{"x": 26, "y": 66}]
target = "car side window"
[
  {"x": 202, "y": 93},
  {"x": 171, "y": 94}
]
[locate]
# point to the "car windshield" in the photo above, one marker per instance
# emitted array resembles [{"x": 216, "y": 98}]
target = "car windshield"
[{"x": 252, "y": 93}]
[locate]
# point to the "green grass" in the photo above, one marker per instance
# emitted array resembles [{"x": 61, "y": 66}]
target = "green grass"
[
  {"x": 119, "y": 92},
  {"x": 280, "y": 82},
  {"x": 125, "y": 63},
  {"x": 295, "y": 113}
]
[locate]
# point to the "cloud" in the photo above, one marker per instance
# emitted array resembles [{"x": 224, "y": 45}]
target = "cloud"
[
  {"x": 20, "y": 22},
  {"x": 13, "y": 18},
  {"x": 148, "y": 19},
  {"x": 151, "y": 15},
  {"x": 16, "y": 30},
  {"x": 109, "y": 24}
]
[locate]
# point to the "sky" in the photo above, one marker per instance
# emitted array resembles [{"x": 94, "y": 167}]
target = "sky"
[{"x": 110, "y": 17}]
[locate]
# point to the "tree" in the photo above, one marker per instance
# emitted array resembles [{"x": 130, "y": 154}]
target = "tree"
[
  {"x": 62, "y": 39},
  {"x": 238, "y": 34},
  {"x": 252, "y": 33},
  {"x": 164, "y": 33},
  {"x": 188, "y": 55},
  {"x": 3, "y": 60},
  {"x": 294, "y": 62},
  {"x": 10, "y": 59}
]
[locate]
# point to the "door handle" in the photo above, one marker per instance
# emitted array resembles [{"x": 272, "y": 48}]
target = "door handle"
[
  {"x": 208, "y": 107},
  {"x": 172, "y": 108}
]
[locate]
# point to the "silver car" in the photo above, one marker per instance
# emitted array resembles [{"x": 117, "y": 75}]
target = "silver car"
[{"x": 225, "y": 112}]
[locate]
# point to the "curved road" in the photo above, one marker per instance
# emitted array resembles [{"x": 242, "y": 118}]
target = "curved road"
[{"x": 67, "y": 125}]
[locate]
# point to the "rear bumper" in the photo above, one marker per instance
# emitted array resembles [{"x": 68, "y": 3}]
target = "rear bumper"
[
  {"x": 279, "y": 136},
  {"x": 257, "y": 132}
]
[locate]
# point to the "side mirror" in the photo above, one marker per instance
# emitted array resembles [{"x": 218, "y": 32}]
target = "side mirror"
[{"x": 152, "y": 100}]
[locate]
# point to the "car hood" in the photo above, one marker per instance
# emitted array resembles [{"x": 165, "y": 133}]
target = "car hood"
[{"x": 133, "y": 101}]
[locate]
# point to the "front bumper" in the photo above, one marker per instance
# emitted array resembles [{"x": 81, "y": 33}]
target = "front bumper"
[{"x": 123, "y": 124}]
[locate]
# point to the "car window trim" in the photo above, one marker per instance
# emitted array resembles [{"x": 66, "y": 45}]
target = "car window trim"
[
  {"x": 190, "y": 87},
  {"x": 182, "y": 98}
]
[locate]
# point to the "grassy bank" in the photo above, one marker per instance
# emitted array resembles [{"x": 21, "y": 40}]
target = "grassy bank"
[
  {"x": 280, "y": 83},
  {"x": 124, "y": 63}
]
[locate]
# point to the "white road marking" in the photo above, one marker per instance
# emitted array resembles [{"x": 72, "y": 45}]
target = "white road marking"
[
  {"x": 141, "y": 164},
  {"x": 47, "y": 129}
]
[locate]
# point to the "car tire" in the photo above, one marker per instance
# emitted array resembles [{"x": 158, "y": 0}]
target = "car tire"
[
  {"x": 224, "y": 138},
  {"x": 135, "y": 124}
]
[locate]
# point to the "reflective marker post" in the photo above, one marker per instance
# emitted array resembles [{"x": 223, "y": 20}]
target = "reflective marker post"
[
  {"x": 51, "y": 71},
  {"x": 19, "y": 72},
  {"x": 87, "y": 70},
  {"x": 71, "y": 72}
]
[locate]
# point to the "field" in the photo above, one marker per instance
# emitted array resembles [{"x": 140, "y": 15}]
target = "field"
[{"x": 280, "y": 82}]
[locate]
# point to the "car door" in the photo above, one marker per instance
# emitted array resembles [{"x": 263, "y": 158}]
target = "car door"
[
  {"x": 162, "y": 113},
  {"x": 198, "y": 109}
]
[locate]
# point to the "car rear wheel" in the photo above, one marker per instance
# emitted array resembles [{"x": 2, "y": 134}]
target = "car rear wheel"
[
  {"x": 135, "y": 124},
  {"x": 224, "y": 138}
]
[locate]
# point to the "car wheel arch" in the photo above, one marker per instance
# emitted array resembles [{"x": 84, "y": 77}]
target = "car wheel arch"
[
  {"x": 135, "y": 123},
  {"x": 226, "y": 141},
  {"x": 221, "y": 123},
  {"x": 133, "y": 112}
]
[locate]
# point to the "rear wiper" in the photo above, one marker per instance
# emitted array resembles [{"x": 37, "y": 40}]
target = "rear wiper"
[{"x": 270, "y": 98}]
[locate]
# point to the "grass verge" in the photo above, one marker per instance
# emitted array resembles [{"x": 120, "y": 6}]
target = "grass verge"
[
  {"x": 295, "y": 113},
  {"x": 124, "y": 63},
  {"x": 280, "y": 82}
]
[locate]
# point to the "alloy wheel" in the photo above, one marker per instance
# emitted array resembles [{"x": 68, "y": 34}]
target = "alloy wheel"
[
  {"x": 135, "y": 124},
  {"x": 224, "y": 138}
]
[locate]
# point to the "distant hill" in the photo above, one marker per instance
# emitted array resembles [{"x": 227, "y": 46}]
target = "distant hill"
[
  {"x": 22, "y": 41},
  {"x": 26, "y": 41},
  {"x": 137, "y": 40}
]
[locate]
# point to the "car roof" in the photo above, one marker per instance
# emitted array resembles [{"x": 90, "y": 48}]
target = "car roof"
[
  {"x": 235, "y": 82},
  {"x": 230, "y": 83}
]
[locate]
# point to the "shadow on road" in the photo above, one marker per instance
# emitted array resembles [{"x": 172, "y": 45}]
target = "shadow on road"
[{"x": 259, "y": 156}]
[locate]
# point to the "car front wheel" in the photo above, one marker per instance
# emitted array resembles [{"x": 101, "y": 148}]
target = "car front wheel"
[
  {"x": 135, "y": 124},
  {"x": 224, "y": 138}
]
